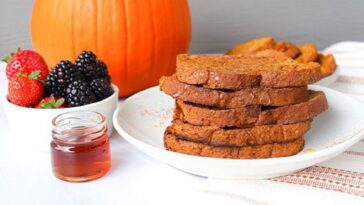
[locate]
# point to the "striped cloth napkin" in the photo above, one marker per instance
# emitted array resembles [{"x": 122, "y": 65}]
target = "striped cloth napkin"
[{"x": 337, "y": 181}]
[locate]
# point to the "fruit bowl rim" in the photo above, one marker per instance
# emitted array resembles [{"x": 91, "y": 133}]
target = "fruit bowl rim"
[{"x": 68, "y": 109}]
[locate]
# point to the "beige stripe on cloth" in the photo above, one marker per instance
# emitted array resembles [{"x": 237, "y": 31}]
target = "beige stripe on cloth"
[
  {"x": 328, "y": 178},
  {"x": 340, "y": 178}
]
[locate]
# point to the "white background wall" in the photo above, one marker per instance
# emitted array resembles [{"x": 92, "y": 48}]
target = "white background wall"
[
  {"x": 14, "y": 25},
  {"x": 219, "y": 24}
]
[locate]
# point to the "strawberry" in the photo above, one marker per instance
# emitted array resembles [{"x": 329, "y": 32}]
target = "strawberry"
[
  {"x": 51, "y": 102},
  {"x": 28, "y": 61},
  {"x": 25, "y": 90}
]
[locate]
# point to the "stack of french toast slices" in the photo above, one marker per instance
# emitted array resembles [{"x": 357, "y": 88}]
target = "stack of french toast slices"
[{"x": 254, "y": 105}]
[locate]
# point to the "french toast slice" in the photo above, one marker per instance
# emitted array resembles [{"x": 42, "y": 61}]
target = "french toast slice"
[
  {"x": 235, "y": 72},
  {"x": 308, "y": 53},
  {"x": 257, "y": 135},
  {"x": 252, "y": 46},
  {"x": 251, "y": 115},
  {"x": 289, "y": 49},
  {"x": 328, "y": 64},
  {"x": 175, "y": 144},
  {"x": 233, "y": 99}
]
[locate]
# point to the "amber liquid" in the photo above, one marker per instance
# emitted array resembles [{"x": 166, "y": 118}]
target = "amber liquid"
[{"x": 81, "y": 162}]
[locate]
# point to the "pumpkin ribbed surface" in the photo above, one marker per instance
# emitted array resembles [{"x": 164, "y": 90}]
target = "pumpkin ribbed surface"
[{"x": 137, "y": 39}]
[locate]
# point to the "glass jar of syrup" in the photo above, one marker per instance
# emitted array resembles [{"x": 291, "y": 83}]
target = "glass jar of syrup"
[{"x": 80, "y": 147}]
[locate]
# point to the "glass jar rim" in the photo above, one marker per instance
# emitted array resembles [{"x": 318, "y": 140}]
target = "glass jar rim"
[{"x": 78, "y": 126}]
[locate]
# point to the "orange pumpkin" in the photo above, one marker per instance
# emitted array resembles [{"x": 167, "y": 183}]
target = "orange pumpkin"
[{"x": 137, "y": 39}]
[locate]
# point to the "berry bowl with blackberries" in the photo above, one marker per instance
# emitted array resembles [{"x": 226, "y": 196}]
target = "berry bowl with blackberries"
[{"x": 36, "y": 94}]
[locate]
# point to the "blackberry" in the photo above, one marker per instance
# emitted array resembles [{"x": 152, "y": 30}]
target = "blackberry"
[
  {"x": 96, "y": 71},
  {"x": 102, "y": 88},
  {"x": 79, "y": 93},
  {"x": 86, "y": 58},
  {"x": 58, "y": 79},
  {"x": 101, "y": 70}
]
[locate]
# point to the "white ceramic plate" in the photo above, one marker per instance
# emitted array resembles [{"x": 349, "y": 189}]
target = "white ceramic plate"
[{"x": 142, "y": 119}]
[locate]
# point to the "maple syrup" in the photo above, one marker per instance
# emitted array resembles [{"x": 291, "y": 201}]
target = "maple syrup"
[{"x": 80, "y": 147}]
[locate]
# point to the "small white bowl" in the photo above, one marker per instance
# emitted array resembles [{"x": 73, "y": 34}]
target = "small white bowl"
[{"x": 31, "y": 127}]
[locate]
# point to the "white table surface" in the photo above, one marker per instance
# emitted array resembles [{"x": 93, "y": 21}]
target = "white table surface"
[{"x": 136, "y": 178}]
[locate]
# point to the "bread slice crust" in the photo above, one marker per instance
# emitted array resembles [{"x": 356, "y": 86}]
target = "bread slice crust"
[
  {"x": 175, "y": 144},
  {"x": 235, "y": 99},
  {"x": 257, "y": 135},
  {"x": 242, "y": 71},
  {"x": 251, "y": 115}
]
